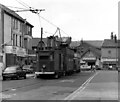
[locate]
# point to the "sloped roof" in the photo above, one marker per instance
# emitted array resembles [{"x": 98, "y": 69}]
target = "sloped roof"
[
  {"x": 95, "y": 43},
  {"x": 74, "y": 43},
  {"x": 85, "y": 47},
  {"x": 110, "y": 43},
  {"x": 12, "y": 13}
]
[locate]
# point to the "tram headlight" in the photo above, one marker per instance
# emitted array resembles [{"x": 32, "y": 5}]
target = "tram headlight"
[{"x": 43, "y": 66}]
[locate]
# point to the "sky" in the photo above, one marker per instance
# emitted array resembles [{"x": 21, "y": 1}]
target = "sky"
[{"x": 79, "y": 19}]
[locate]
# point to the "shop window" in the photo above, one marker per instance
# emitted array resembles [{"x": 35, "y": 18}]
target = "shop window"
[{"x": 10, "y": 59}]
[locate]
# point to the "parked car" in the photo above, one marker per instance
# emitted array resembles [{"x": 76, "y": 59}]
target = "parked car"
[
  {"x": 13, "y": 72},
  {"x": 118, "y": 68},
  {"x": 110, "y": 67},
  {"x": 85, "y": 67},
  {"x": 1, "y": 68},
  {"x": 28, "y": 68},
  {"x": 98, "y": 68}
]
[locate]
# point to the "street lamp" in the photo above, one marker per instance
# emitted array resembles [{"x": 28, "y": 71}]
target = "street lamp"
[{"x": 116, "y": 45}]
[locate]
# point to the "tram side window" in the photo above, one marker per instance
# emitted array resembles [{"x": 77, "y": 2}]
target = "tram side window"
[
  {"x": 44, "y": 57},
  {"x": 51, "y": 57}
]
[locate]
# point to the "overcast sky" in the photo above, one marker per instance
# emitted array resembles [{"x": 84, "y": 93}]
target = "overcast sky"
[{"x": 80, "y": 19}]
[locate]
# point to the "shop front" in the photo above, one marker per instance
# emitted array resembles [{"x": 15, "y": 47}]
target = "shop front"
[
  {"x": 90, "y": 60},
  {"x": 14, "y": 55},
  {"x": 107, "y": 62}
]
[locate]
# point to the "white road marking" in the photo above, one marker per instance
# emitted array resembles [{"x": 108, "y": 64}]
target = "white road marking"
[
  {"x": 6, "y": 96},
  {"x": 80, "y": 89},
  {"x": 13, "y": 89},
  {"x": 67, "y": 81}
]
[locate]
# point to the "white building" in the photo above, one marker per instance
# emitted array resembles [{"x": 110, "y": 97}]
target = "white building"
[{"x": 15, "y": 34}]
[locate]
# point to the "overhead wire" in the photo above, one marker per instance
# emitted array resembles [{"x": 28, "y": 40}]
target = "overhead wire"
[
  {"x": 39, "y": 20},
  {"x": 49, "y": 22},
  {"x": 15, "y": 7},
  {"x": 53, "y": 25},
  {"x": 38, "y": 13},
  {"x": 23, "y": 4}
]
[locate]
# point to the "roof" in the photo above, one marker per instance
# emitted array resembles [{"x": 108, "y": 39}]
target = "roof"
[
  {"x": 12, "y": 13},
  {"x": 110, "y": 43},
  {"x": 35, "y": 41},
  {"x": 74, "y": 43},
  {"x": 85, "y": 47},
  {"x": 95, "y": 43}
]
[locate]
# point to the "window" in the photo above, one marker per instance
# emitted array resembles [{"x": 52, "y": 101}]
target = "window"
[
  {"x": 20, "y": 41},
  {"x": 1, "y": 58},
  {"x": 51, "y": 57},
  {"x": 44, "y": 57},
  {"x": 13, "y": 23},
  {"x": 16, "y": 24},
  {"x": 13, "y": 39},
  {"x": 16, "y": 40},
  {"x": 25, "y": 42},
  {"x": 29, "y": 30},
  {"x": 109, "y": 52},
  {"x": 81, "y": 51},
  {"x": 20, "y": 27}
]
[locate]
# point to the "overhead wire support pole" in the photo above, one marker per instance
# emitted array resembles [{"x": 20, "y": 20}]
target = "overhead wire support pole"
[{"x": 38, "y": 11}]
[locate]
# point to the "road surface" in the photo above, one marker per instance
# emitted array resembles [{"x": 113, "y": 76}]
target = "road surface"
[
  {"x": 100, "y": 86},
  {"x": 43, "y": 89}
]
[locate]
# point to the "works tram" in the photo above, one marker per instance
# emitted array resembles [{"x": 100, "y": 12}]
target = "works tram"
[{"x": 57, "y": 60}]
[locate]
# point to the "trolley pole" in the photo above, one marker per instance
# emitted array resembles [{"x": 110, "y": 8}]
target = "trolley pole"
[{"x": 41, "y": 38}]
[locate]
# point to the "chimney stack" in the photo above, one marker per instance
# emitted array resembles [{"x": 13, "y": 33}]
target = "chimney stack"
[
  {"x": 115, "y": 38},
  {"x": 112, "y": 35}
]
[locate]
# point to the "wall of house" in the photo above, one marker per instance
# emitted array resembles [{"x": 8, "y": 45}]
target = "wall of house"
[
  {"x": 12, "y": 33},
  {"x": 30, "y": 44},
  {"x": 7, "y": 29},
  {"x": 1, "y": 35},
  {"x": 109, "y": 53},
  {"x": 27, "y": 43},
  {"x": 0, "y": 31},
  {"x": 0, "y": 27}
]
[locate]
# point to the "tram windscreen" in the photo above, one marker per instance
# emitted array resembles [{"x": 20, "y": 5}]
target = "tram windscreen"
[{"x": 44, "y": 57}]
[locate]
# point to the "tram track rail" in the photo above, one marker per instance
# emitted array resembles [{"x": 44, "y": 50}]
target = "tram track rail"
[{"x": 21, "y": 86}]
